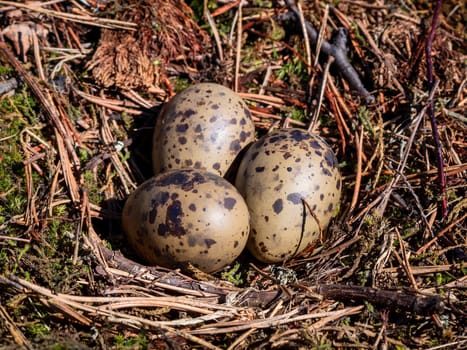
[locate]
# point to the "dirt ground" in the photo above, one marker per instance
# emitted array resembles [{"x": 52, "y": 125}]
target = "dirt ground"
[{"x": 383, "y": 82}]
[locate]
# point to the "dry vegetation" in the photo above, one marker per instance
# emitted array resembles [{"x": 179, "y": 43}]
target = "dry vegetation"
[{"x": 80, "y": 90}]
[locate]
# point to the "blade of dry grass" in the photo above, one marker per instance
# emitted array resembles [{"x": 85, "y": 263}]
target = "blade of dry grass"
[
  {"x": 18, "y": 336},
  {"x": 110, "y": 315},
  {"x": 238, "y": 50},
  {"x": 84, "y": 19},
  {"x": 235, "y": 326}
]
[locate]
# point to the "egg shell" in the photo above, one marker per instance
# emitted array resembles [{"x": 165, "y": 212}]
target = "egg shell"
[
  {"x": 278, "y": 174},
  {"x": 186, "y": 215},
  {"x": 203, "y": 127}
]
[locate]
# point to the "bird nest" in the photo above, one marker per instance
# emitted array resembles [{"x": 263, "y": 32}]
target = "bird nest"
[{"x": 81, "y": 85}]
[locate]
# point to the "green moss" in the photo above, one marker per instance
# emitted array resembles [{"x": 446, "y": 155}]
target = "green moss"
[
  {"x": 292, "y": 71},
  {"x": 123, "y": 343},
  {"x": 327, "y": 120},
  {"x": 277, "y": 33},
  {"x": 262, "y": 3},
  {"x": 4, "y": 259},
  {"x": 73, "y": 112},
  {"x": 181, "y": 83},
  {"x": 13, "y": 195},
  {"x": 53, "y": 228},
  {"x": 298, "y": 114},
  {"x": 250, "y": 59},
  {"x": 365, "y": 118},
  {"x": 38, "y": 329},
  {"x": 55, "y": 233},
  {"x": 59, "y": 210},
  {"x": 124, "y": 156},
  {"x": 128, "y": 121},
  {"x": 358, "y": 35},
  {"x": 90, "y": 184},
  {"x": 198, "y": 8},
  {"x": 5, "y": 70},
  {"x": 234, "y": 275},
  {"x": 23, "y": 104}
]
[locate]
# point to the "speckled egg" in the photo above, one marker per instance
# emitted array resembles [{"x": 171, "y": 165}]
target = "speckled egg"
[
  {"x": 290, "y": 181},
  {"x": 203, "y": 127},
  {"x": 187, "y": 215}
]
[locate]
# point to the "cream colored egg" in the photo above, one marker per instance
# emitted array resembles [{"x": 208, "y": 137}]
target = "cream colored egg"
[
  {"x": 186, "y": 216},
  {"x": 203, "y": 127},
  {"x": 291, "y": 183}
]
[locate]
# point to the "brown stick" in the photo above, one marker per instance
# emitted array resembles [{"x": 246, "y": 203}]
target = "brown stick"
[
  {"x": 336, "y": 50},
  {"x": 407, "y": 300},
  {"x": 434, "y": 124}
]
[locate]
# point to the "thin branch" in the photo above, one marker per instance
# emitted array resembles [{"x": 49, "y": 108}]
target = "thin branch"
[
  {"x": 337, "y": 51},
  {"x": 239, "y": 45},
  {"x": 215, "y": 32},
  {"x": 431, "y": 109},
  {"x": 358, "y": 178},
  {"x": 406, "y": 300}
]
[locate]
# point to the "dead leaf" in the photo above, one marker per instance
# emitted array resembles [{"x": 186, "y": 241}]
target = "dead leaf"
[{"x": 22, "y": 36}]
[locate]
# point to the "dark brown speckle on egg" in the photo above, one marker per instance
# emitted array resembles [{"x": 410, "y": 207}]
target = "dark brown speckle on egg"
[
  {"x": 209, "y": 242},
  {"x": 295, "y": 198},
  {"x": 229, "y": 203},
  {"x": 277, "y": 206},
  {"x": 182, "y": 127},
  {"x": 188, "y": 113},
  {"x": 326, "y": 171},
  {"x": 235, "y": 146}
]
